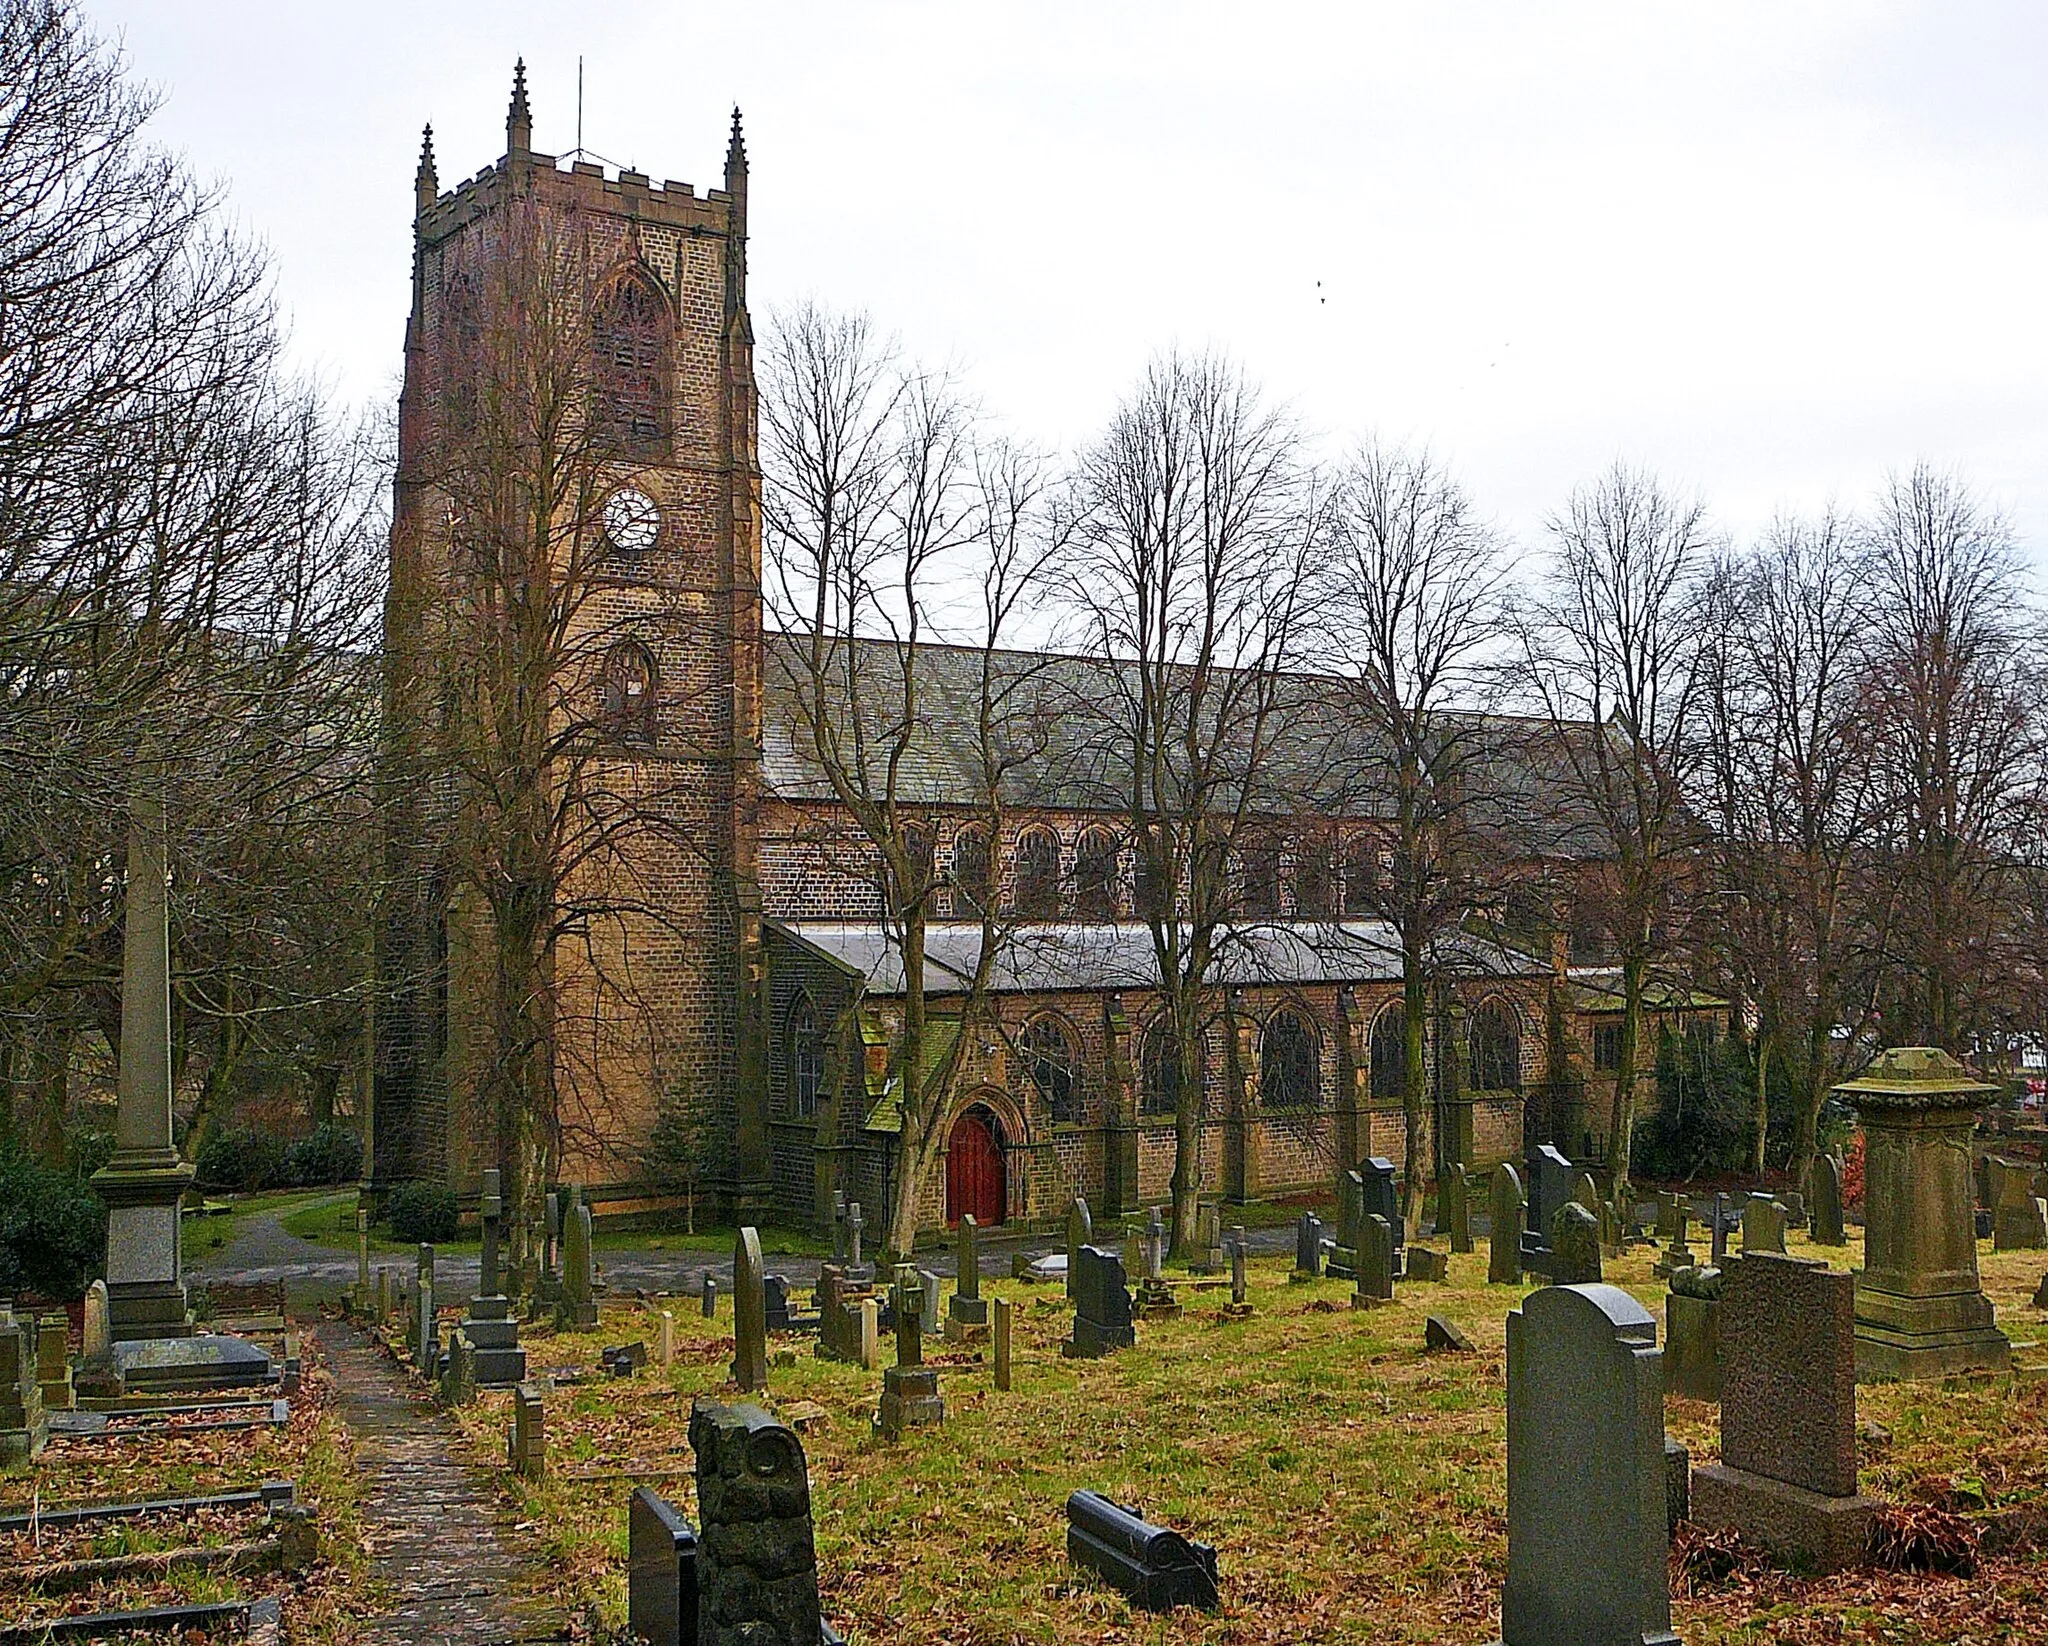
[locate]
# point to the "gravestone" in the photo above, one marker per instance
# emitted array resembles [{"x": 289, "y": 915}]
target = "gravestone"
[
  {"x": 870, "y": 1334},
  {"x": 426, "y": 1334},
  {"x": 839, "y": 1226},
  {"x": 1155, "y": 1298},
  {"x": 53, "y": 1362},
  {"x": 1380, "y": 1190},
  {"x": 1920, "y": 1310},
  {"x": 1551, "y": 1184},
  {"x": 458, "y": 1369},
  {"x": 910, "y": 1388},
  {"x": 1135, "y": 1248},
  {"x": 1692, "y": 1334},
  {"x": 1763, "y": 1226},
  {"x": 1240, "y": 1282},
  {"x": 24, "y": 1426},
  {"x": 1155, "y": 1568},
  {"x": 1374, "y": 1287},
  {"x": 98, "y": 1344},
  {"x": 1308, "y": 1247},
  {"x": 749, "y": 1314},
  {"x": 1102, "y": 1307},
  {"x": 1677, "y": 1254},
  {"x": 362, "y": 1295},
  {"x": 1440, "y": 1336},
  {"x": 527, "y": 1442},
  {"x": 1504, "y": 1244},
  {"x": 2020, "y": 1222},
  {"x": 1343, "y": 1262},
  {"x": 1787, "y": 1476},
  {"x": 967, "y": 1310},
  {"x": 1667, "y": 1208},
  {"x": 1427, "y": 1264},
  {"x": 1586, "y": 1191},
  {"x": 1718, "y": 1243},
  {"x": 1208, "y": 1240},
  {"x": 1677, "y": 1486},
  {"x": 661, "y": 1572},
  {"x": 930, "y": 1302},
  {"x": 1574, "y": 1246},
  {"x": 707, "y": 1294},
  {"x": 577, "y": 1312},
  {"x": 1827, "y": 1202},
  {"x": 664, "y": 1338},
  {"x": 1003, "y": 1312},
  {"x": 489, "y": 1326},
  {"x": 1585, "y": 1451},
  {"x": 1080, "y": 1232},
  {"x": 858, "y": 1271},
  {"x": 757, "y": 1569},
  {"x": 1455, "y": 1196}
]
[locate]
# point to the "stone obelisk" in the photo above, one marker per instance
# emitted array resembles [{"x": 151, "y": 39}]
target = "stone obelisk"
[{"x": 146, "y": 1178}]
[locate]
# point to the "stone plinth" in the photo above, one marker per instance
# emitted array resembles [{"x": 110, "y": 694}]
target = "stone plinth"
[
  {"x": 1692, "y": 1334},
  {"x": 910, "y": 1400},
  {"x": 1920, "y": 1309}
]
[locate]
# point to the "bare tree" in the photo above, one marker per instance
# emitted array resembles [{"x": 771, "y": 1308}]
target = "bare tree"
[
  {"x": 1612, "y": 657},
  {"x": 902, "y": 542},
  {"x": 1407, "y": 608},
  {"x": 1196, "y": 519}
]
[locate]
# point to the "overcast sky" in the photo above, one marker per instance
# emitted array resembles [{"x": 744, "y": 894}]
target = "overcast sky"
[{"x": 1769, "y": 250}]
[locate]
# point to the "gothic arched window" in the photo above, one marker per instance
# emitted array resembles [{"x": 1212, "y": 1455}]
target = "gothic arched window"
[
  {"x": 1494, "y": 1045},
  {"x": 804, "y": 1050},
  {"x": 1389, "y": 1053},
  {"x": 1054, "y": 1065},
  {"x": 1315, "y": 879},
  {"x": 626, "y": 692},
  {"x": 1095, "y": 875},
  {"x": 632, "y": 330},
  {"x": 919, "y": 849},
  {"x": 1258, "y": 880},
  {"x": 1361, "y": 874},
  {"x": 1160, "y": 1093},
  {"x": 1287, "y": 1063},
  {"x": 1038, "y": 874},
  {"x": 974, "y": 871}
]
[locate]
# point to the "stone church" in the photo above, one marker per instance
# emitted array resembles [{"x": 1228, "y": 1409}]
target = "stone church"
[{"x": 726, "y": 1030}]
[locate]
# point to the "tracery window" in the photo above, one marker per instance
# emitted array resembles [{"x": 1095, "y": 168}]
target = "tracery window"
[
  {"x": 973, "y": 871},
  {"x": 632, "y": 330},
  {"x": 1160, "y": 1093},
  {"x": 1361, "y": 875},
  {"x": 627, "y": 692},
  {"x": 1287, "y": 1063},
  {"x": 1494, "y": 1049},
  {"x": 1389, "y": 1054},
  {"x": 1038, "y": 874},
  {"x": 804, "y": 1047},
  {"x": 1095, "y": 875},
  {"x": 1053, "y": 1063}
]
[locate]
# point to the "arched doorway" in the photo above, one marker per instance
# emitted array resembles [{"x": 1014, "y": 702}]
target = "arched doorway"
[{"x": 976, "y": 1180}]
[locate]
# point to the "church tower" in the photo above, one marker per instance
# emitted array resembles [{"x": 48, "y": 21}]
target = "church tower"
[{"x": 569, "y": 954}]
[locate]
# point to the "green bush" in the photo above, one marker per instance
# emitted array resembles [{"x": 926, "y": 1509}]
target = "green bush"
[
  {"x": 421, "y": 1211},
  {"x": 239, "y": 1159},
  {"x": 1701, "y": 1123},
  {"x": 53, "y": 1229},
  {"x": 328, "y": 1154}
]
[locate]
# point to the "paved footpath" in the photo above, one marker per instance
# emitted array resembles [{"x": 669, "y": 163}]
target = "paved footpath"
[{"x": 435, "y": 1547}]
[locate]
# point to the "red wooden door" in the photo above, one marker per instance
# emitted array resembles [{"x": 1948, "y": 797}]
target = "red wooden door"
[{"x": 974, "y": 1170}]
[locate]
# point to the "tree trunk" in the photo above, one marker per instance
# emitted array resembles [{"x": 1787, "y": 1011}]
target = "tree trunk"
[
  {"x": 1187, "y": 1121},
  {"x": 1621, "y": 1121},
  {"x": 1414, "y": 1086}
]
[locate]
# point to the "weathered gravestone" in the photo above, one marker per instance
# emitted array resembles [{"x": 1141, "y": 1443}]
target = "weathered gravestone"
[
  {"x": 777, "y": 1309},
  {"x": 967, "y": 1311},
  {"x": 1920, "y": 1311},
  {"x": 1718, "y": 1239},
  {"x": 1003, "y": 1312},
  {"x": 870, "y": 1329},
  {"x": 1380, "y": 1190},
  {"x": 858, "y": 1271},
  {"x": 96, "y": 1348},
  {"x": 1308, "y": 1247},
  {"x": 664, "y": 1338},
  {"x": 1574, "y": 1246},
  {"x": 24, "y": 1426},
  {"x": 1375, "y": 1284},
  {"x": 707, "y": 1295},
  {"x": 1454, "y": 1201},
  {"x": 1586, "y": 1191},
  {"x": 1240, "y": 1280},
  {"x": 929, "y": 1300},
  {"x": 1440, "y": 1336},
  {"x": 1080, "y": 1232},
  {"x": 1343, "y": 1262},
  {"x": 526, "y": 1446},
  {"x": 1425, "y": 1263},
  {"x": 1102, "y": 1307},
  {"x": 1763, "y": 1226},
  {"x": 361, "y": 1300},
  {"x": 749, "y": 1314},
  {"x": 577, "y": 1312},
  {"x": 1676, "y": 1254},
  {"x": 661, "y": 1572},
  {"x": 1155, "y": 1298},
  {"x": 489, "y": 1326},
  {"x": 458, "y": 1369},
  {"x": 1585, "y": 1452},
  {"x": 2019, "y": 1222},
  {"x": 1692, "y": 1334},
  {"x": 1208, "y": 1240},
  {"x": 910, "y": 1388},
  {"x": 1550, "y": 1186},
  {"x": 53, "y": 1362},
  {"x": 1827, "y": 1202},
  {"x": 1787, "y": 1476},
  {"x": 1156, "y": 1568},
  {"x": 757, "y": 1569},
  {"x": 1504, "y": 1243}
]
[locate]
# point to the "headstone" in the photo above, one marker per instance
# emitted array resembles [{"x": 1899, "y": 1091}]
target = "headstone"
[
  {"x": 24, "y": 1426},
  {"x": 2041, "y": 1294},
  {"x": 929, "y": 1299},
  {"x": 527, "y": 1442},
  {"x": 1343, "y": 1262},
  {"x": 1574, "y": 1246},
  {"x": 1586, "y": 1191},
  {"x": 967, "y": 1309},
  {"x": 1667, "y": 1207},
  {"x": 749, "y": 1314},
  {"x": 1440, "y": 1336},
  {"x": 1080, "y": 1232},
  {"x": 1585, "y": 1450},
  {"x": 98, "y": 1343},
  {"x": 1692, "y": 1334},
  {"x": 1135, "y": 1248},
  {"x": 577, "y": 1312},
  {"x": 1308, "y": 1246},
  {"x": 1380, "y": 1185},
  {"x": 870, "y": 1334},
  {"x": 1155, "y": 1298},
  {"x": 458, "y": 1369},
  {"x": 859, "y": 1272},
  {"x": 1504, "y": 1245},
  {"x": 1719, "y": 1246},
  {"x": 1427, "y": 1264},
  {"x": 1102, "y": 1307},
  {"x": 53, "y": 1361},
  {"x": 1240, "y": 1281},
  {"x": 1209, "y": 1256},
  {"x": 1827, "y": 1202},
  {"x": 490, "y": 1327},
  {"x": 1677, "y": 1486},
  {"x": 910, "y": 1389},
  {"x": 1677, "y": 1254},
  {"x": 1157, "y": 1569},
  {"x": 426, "y": 1331},
  {"x": 2020, "y": 1222},
  {"x": 1375, "y": 1284},
  {"x": 707, "y": 1294},
  {"x": 362, "y": 1256},
  {"x": 1763, "y": 1226},
  {"x": 1787, "y": 1476},
  {"x": 1455, "y": 1192},
  {"x": 661, "y": 1572},
  {"x": 839, "y": 1226},
  {"x": 551, "y": 1223},
  {"x": 757, "y": 1570},
  {"x": 1003, "y": 1312},
  {"x": 1920, "y": 1311},
  {"x": 664, "y": 1338},
  {"x": 1552, "y": 1183}
]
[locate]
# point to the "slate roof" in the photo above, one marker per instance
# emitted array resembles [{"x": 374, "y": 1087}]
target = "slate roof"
[
  {"x": 1064, "y": 956},
  {"x": 1063, "y": 712}
]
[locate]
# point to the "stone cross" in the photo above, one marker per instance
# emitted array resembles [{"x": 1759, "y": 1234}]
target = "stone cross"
[
  {"x": 1375, "y": 1283},
  {"x": 1827, "y": 1202},
  {"x": 1080, "y": 1232},
  {"x": 491, "y": 1214},
  {"x": 906, "y": 1301},
  {"x": 853, "y": 1228},
  {"x": 749, "y": 1313},
  {"x": 1002, "y": 1334},
  {"x": 1787, "y": 1476},
  {"x": 707, "y": 1293},
  {"x": 1155, "y": 1247},
  {"x": 1574, "y": 1246},
  {"x": 1504, "y": 1245},
  {"x": 1585, "y": 1450}
]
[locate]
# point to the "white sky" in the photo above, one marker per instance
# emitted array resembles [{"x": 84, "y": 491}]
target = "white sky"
[{"x": 1770, "y": 250}]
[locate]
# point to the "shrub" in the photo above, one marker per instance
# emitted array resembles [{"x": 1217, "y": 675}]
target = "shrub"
[
  {"x": 1701, "y": 1121},
  {"x": 53, "y": 1228},
  {"x": 421, "y": 1211},
  {"x": 239, "y": 1159},
  {"x": 327, "y": 1154}
]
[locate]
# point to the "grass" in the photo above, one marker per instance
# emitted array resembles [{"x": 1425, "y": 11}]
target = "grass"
[{"x": 1354, "y": 1486}]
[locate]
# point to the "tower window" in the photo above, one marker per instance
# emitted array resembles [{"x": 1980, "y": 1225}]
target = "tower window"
[
  {"x": 632, "y": 331},
  {"x": 626, "y": 694}
]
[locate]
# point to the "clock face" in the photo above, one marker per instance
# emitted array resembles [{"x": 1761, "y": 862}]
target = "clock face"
[{"x": 631, "y": 522}]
